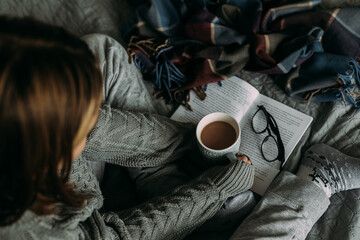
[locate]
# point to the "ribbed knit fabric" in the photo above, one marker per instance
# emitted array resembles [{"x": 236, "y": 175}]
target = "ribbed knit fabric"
[
  {"x": 133, "y": 139},
  {"x": 226, "y": 182}
]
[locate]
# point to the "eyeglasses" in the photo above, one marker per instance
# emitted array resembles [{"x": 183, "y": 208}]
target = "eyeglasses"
[{"x": 272, "y": 148}]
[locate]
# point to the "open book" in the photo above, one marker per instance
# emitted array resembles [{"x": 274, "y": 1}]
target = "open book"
[{"x": 239, "y": 99}]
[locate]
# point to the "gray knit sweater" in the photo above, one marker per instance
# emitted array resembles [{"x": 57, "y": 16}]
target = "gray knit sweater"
[{"x": 136, "y": 140}]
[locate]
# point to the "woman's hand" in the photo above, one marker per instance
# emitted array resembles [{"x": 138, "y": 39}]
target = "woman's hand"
[{"x": 243, "y": 158}]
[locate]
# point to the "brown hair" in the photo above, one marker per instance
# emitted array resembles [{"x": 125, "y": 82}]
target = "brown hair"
[{"x": 49, "y": 81}]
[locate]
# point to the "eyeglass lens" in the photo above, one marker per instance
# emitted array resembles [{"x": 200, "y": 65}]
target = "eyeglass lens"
[
  {"x": 270, "y": 148},
  {"x": 259, "y": 122}
]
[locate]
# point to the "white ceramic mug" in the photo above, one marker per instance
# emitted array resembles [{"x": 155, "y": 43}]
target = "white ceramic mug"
[{"x": 218, "y": 156}]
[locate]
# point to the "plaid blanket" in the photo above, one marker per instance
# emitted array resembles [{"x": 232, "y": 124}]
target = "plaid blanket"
[{"x": 310, "y": 52}]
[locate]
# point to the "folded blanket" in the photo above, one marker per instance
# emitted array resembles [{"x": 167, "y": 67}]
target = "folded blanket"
[{"x": 181, "y": 45}]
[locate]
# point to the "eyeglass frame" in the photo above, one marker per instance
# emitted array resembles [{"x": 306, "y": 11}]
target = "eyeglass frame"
[{"x": 270, "y": 121}]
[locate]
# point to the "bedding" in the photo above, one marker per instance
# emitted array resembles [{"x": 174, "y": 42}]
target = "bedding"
[
  {"x": 335, "y": 124},
  {"x": 309, "y": 51}
]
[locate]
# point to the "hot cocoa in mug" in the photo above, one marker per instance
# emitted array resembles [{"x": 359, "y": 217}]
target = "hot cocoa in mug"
[{"x": 218, "y": 134}]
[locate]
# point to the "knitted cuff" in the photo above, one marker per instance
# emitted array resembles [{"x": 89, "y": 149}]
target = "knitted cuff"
[{"x": 232, "y": 179}]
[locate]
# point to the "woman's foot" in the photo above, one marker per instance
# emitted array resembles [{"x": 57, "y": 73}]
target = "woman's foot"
[{"x": 330, "y": 169}]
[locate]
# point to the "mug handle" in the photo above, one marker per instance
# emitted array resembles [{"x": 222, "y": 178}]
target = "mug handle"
[
  {"x": 234, "y": 157},
  {"x": 231, "y": 156}
]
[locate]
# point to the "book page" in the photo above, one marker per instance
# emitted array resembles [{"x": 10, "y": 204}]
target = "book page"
[
  {"x": 292, "y": 125},
  {"x": 234, "y": 97},
  {"x": 239, "y": 99}
]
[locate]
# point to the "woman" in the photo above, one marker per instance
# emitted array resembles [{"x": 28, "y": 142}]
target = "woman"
[
  {"x": 50, "y": 94},
  {"x": 52, "y": 124}
]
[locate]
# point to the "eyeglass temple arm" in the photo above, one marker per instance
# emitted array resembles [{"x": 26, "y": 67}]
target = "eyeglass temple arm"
[{"x": 274, "y": 127}]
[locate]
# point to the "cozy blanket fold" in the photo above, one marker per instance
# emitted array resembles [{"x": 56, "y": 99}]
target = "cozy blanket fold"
[{"x": 182, "y": 45}]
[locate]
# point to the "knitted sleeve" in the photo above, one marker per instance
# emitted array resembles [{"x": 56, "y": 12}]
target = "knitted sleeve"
[
  {"x": 175, "y": 215},
  {"x": 136, "y": 139}
]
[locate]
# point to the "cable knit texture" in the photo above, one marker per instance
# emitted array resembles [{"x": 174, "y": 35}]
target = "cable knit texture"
[{"x": 138, "y": 140}]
